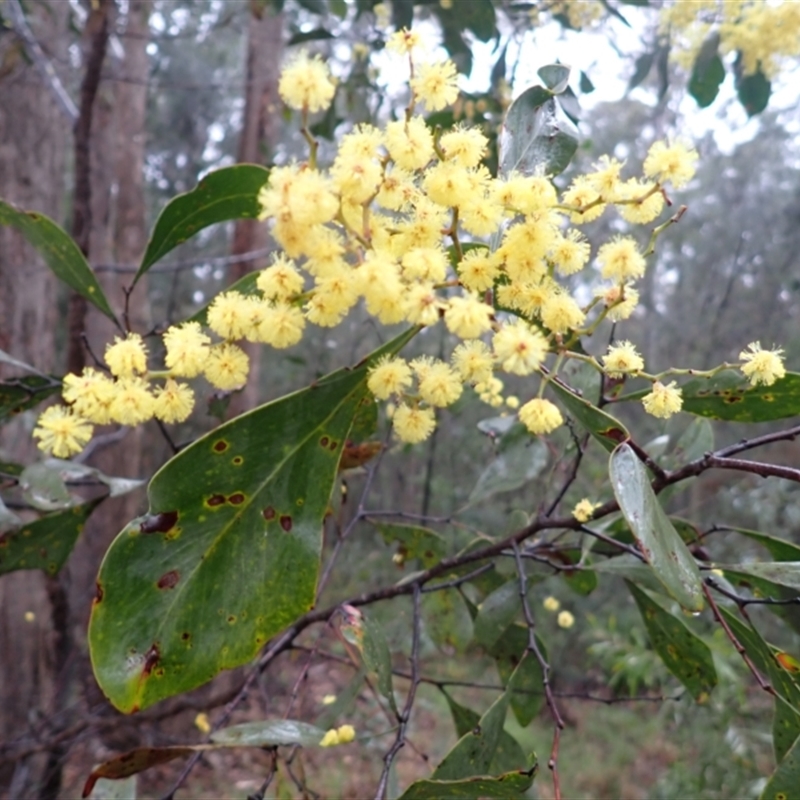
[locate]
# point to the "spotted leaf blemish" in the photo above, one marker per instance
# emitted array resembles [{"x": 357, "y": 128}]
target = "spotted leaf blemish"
[
  {"x": 98, "y": 597},
  {"x": 237, "y": 498},
  {"x": 333, "y": 446},
  {"x": 268, "y": 513},
  {"x": 237, "y": 461},
  {"x": 169, "y": 580},
  {"x": 151, "y": 658},
  {"x": 215, "y": 500},
  {"x": 220, "y": 446},
  {"x": 286, "y": 522},
  {"x": 324, "y": 441},
  {"x": 158, "y": 523}
]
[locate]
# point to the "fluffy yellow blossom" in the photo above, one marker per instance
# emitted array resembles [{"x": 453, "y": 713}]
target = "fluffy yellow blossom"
[
  {"x": 540, "y": 416},
  {"x": 560, "y": 313},
  {"x": 435, "y": 85},
  {"x": 127, "y": 357},
  {"x": 512, "y": 402},
  {"x": 62, "y": 432},
  {"x": 187, "y": 349},
  {"x": 663, "y": 401},
  {"x": 762, "y": 366},
  {"x": 465, "y": 146},
  {"x": 620, "y": 301},
  {"x": 584, "y": 510},
  {"x": 228, "y": 315},
  {"x": 91, "y": 394},
  {"x": 297, "y": 197},
  {"x": 490, "y": 391},
  {"x": 174, "y": 402},
  {"x": 518, "y": 348},
  {"x": 425, "y": 264},
  {"x": 422, "y": 227},
  {"x": 439, "y": 384},
  {"x": 565, "y": 619},
  {"x": 227, "y": 366},
  {"x": 606, "y": 180},
  {"x": 397, "y": 190},
  {"x": 283, "y": 326},
  {"x": 422, "y": 304},
  {"x": 306, "y": 84},
  {"x": 467, "y": 317},
  {"x": 622, "y": 359},
  {"x": 347, "y": 733},
  {"x": 478, "y": 270},
  {"x": 357, "y": 177},
  {"x": 330, "y": 739},
  {"x": 446, "y": 183},
  {"x": 413, "y": 424},
  {"x": 133, "y": 403},
  {"x": 528, "y": 241},
  {"x": 281, "y": 280},
  {"x": 388, "y": 377},
  {"x": 620, "y": 260},
  {"x": 585, "y": 198},
  {"x": 479, "y": 216},
  {"x": 649, "y": 204},
  {"x": 474, "y": 361},
  {"x": 569, "y": 253},
  {"x": 325, "y": 251},
  {"x": 410, "y": 143},
  {"x": 675, "y": 163},
  {"x": 404, "y": 41},
  {"x": 551, "y": 604},
  {"x": 524, "y": 194}
]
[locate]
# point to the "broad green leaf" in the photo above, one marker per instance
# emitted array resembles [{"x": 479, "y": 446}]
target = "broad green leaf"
[
  {"x": 684, "y": 654},
  {"x": 641, "y": 70},
  {"x": 45, "y": 543},
  {"x": 783, "y": 573},
  {"x": 779, "y": 549},
  {"x": 753, "y": 91},
  {"x": 630, "y": 568},
  {"x": 447, "y": 619},
  {"x": 730, "y": 396},
  {"x": 510, "y": 785},
  {"x": 536, "y": 135},
  {"x": 520, "y": 458},
  {"x": 309, "y": 36},
  {"x": 658, "y": 541},
  {"x": 785, "y": 729},
  {"x": 229, "y": 553},
  {"x": 377, "y": 658},
  {"x": 8, "y": 521},
  {"x": 695, "y": 441},
  {"x": 496, "y": 613},
  {"x": 607, "y": 430},
  {"x": 784, "y": 784},
  {"x": 762, "y": 588},
  {"x": 59, "y": 252},
  {"x": 586, "y": 85},
  {"x": 510, "y": 654},
  {"x": 44, "y": 486},
  {"x": 508, "y": 756},
  {"x": 269, "y": 733},
  {"x": 708, "y": 73},
  {"x": 20, "y": 394},
  {"x": 225, "y": 194},
  {"x": 414, "y": 542},
  {"x": 555, "y": 77}
]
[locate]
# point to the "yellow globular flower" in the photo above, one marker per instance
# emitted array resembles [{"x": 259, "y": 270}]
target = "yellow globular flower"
[
  {"x": 422, "y": 304},
  {"x": 329, "y": 699},
  {"x": 227, "y": 366},
  {"x": 404, "y": 41},
  {"x": 551, "y": 604},
  {"x": 228, "y": 315},
  {"x": 127, "y": 357},
  {"x": 355, "y": 171},
  {"x": 584, "y": 510},
  {"x": 436, "y": 85},
  {"x": 465, "y": 146},
  {"x": 565, "y": 619},
  {"x": 467, "y": 317},
  {"x": 512, "y": 402},
  {"x": 281, "y": 280},
  {"x": 570, "y": 253},
  {"x": 620, "y": 260},
  {"x": 478, "y": 270},
  {"x": 409, "y": 142},
  {"x": 347, "y": 733},
  {"x": 561, "y": 313},
  {"x": 62, "y": 432},
  {"x": 202, "y": 722},
  {"x": 306, "y": 84},
  {"x": 388, "y": 377},
  {"x": 648, "y": 203},
  {"x": 490, "y": 392},
  {"x": 474, "y": 361},
  {"x": 524, "y": 194},
  {"x": 174, "y": 402},
  {"x": 439, "y": 384},
  {"x": 675, "y": 163},
  {"x": 762, "y": 366},
  {"x": 297, "y": 197},
  {"x": 540, "y": 416},
  {"x": 586, "y": 199},
  {"x": 446, "y": 183},
  {"x": 397, "y": 189},
  {"x": 663, "y": 401},
  {"x": 622, "y": 359},
  {"x": 413, "y": 424},
  {"x": 91, "y": 394},
  {"x": 480, "y": 216},
  {"x": 606, "y": 180},
  {"x": 187, "y": 349},
  {"x": 621, "y": 301},
  {"x": 330, "y": 739},
  {"x": 518, "y": 348},
  {"x": 133, "y": 403},
  {"x": 425, "y": 264}
]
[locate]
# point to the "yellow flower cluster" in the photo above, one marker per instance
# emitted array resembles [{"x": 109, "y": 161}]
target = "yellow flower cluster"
[
  {"x": 344, "y": 734},
  {"x": 764, "y": 33},
  {"x": 399, "y": 222}
]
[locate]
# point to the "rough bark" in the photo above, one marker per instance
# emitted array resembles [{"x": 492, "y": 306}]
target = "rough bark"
[{"x": 33, "y": 141}]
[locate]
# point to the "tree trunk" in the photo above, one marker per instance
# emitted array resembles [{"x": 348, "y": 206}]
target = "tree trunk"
[{"x": 33, "y": 141}]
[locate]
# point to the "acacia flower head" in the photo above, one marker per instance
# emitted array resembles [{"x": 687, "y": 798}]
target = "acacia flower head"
[
  {"x": 551, "y": 604},
  {"x": 474, "y": 361},
  {"x": 173, "y": 402},
  {"x": 518, "y": 348},
  {"x": 540, "y": 416},
  {"x": 413, "y": 424},
  {"x": 91, "y": 394},
  {"x": 584, "y": 510},
  {"x": 436, "y": 85},
  {"x": 227, "y": 366},
  {"x": 62, "y": 432},
  {"x": 762, "y": 366},
  {"x": 133, "y": 403},
  {"x": 565, "y": 619},
  {"x": 663, "y": 401},
  {"x": 622, "y": 359},
  {"x": 127, "y": 357},
  {"x": 620, "y": 260},
  {"x": 306, "y": 84},
  {"x": 671, "y": 162},
  {"x": 187, "y": 349},
  {"x": 388, "y": 377}
]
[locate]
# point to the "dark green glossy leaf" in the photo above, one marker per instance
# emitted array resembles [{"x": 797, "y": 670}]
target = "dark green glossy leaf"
[
  {"x": 447, "y": 620},
  {"x": 753, "y": 90},
  {"x": 225, "y": 194},
  {"x": 19, "y": 394},
  {"x": 536, "y": 135},
  {"x": 641, "y": 69},
  {"x": 659, "y": 542},
  {"x": 509, "y": 653},
  {"x": 785, "y": 729},
  {"x": 510, "y": 785},
  {"x": 414, "y": 542},
  {"x": 314, "y": 6},
  {"x": 694, "y": 442},
  {"x": 46, "y": 543},
  {"x": 479, "y": 17},
  {"x": 684, "y": 654},
  {"x": 586, "y": 85},
  {"x": 605, "y": 428},
  {"x": 779, "y": 549},
  {"x": 782, "y": 573},
  {"x": 269, "y": 733},
  {"x": 59, "y": 252},
  {"x": 630, "y": 568},
  {"x": 338, "y": 7},
  {"x": 200, "y": 583},
  {"x": 555, "y": 77},
  {"x": 761, "y": 588},
  {"x": 708, "y": 73},
  {"x": 314, "y": 35},
  {"x": 496, "y": 613},
  {"x": 377, "y": 658},
  {"x": 784, "y": 784},
  {"x": 520, "y": 458}
]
